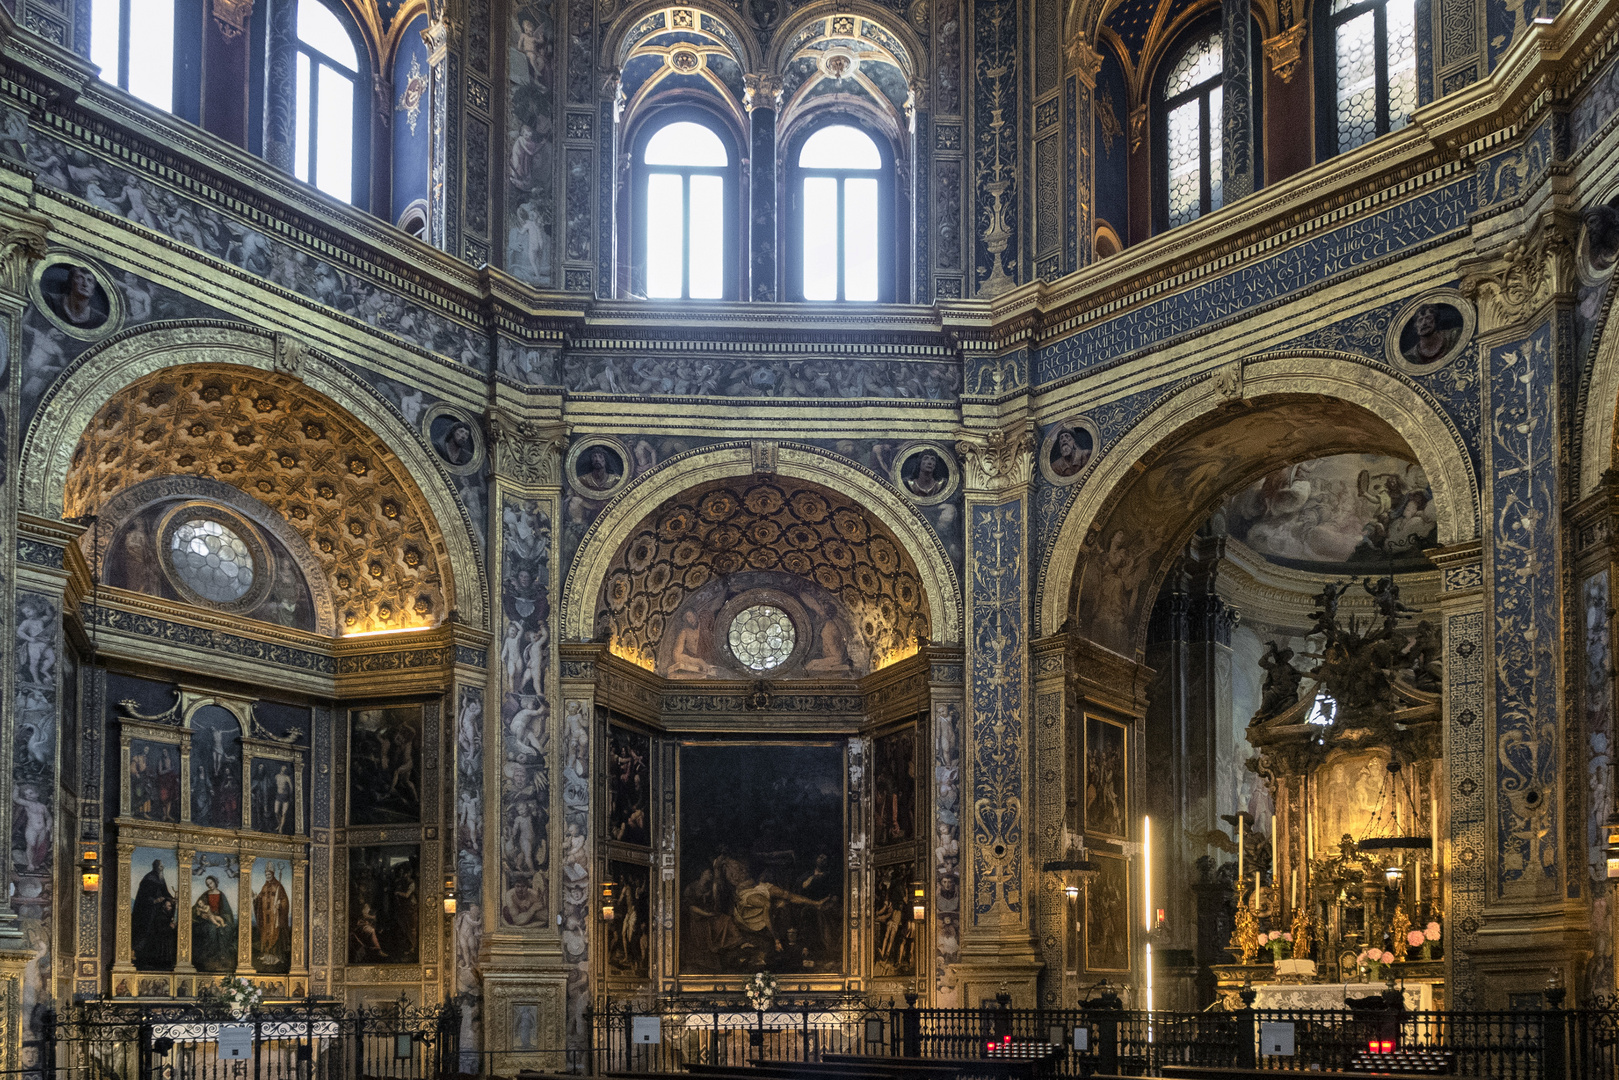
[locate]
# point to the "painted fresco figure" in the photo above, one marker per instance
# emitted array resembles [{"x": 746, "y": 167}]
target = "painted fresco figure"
[
  {"x": 152, "y": 927},
  {"x": 213, "y": 930},
  {"x": 1072, "y": 452},
  {"x": 1433, "y": 341}
]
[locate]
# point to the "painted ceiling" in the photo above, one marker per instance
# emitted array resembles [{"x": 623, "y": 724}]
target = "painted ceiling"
[
  {"x": 333, "y": 481},
  {"x": 734, "y": 527}
]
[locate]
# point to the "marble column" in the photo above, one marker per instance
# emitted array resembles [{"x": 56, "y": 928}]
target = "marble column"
[
  {"x": 762, "y": 97},
  {"x": 523, "y": 953},
  {"x": 1079, "y": 133},
  {"x": 997, "y": 948},
  {"x": 1237, "y": 111},
  {"x": 280, "y": 89}
]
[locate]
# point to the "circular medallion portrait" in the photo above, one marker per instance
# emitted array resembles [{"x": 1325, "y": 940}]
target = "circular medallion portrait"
[
  {"x": 1430, "y": 331},
  {"x": 597, "y": 468},
  {"x": 455, "y": 438},
  {"x": 76, "y": 296},
  {"x": 214, "y": 558},
  {"x": 1068, "y": 450},
  {"x": 926, "y": 472},
  {"x": 1598, "y": 247}
]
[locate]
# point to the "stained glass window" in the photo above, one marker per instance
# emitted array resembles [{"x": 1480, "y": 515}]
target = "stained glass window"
[
  {"x": 1192, "y": 100},
  {"x": 1374, "y": 56},
  {"x": 327, "y": 69},
  {"x": 212, "y": 560},
  {"x": 686, "y": 169},
  {"x": 762, "y": 637}
]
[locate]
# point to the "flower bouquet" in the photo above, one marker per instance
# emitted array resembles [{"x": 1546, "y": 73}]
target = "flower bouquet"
[
  {"x": 1372, "y": 961},
  {"x": 1280, "y": 944},
  {"x": 235, "y": 995},
  {"x": 761, "y": 990},
  {"x": 1430, "y": 934}
]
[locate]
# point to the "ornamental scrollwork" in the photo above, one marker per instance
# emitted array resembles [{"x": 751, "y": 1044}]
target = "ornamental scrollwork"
[
  {"x": 527, "y": 452},
  {"x": 999, "y": 459},
  {"x": 1528, "y": 274}
]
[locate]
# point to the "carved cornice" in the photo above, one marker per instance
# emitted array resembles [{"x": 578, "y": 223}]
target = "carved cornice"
[
  {"x": 1284, "y": 53},
  {"x": 1101, "y": 677},
  {"x": 1527, "y": 274},
  {"x": 997, "y": 460},
  {"x": 526, "y": 452}
]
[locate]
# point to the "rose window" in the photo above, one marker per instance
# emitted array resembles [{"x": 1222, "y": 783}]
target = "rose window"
[
  {"x": 762, "y": 637},
  {"x": 212, "y": 560}
]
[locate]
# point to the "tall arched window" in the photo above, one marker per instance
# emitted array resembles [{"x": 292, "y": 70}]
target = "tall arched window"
[
  {"x": 132, "y": 41},
  {"x": 328, "y": 71},
  {"x": 841, "y": 185},
  {"x": 1367, "y": 57},
  {"x": 685, "y": 198},
  {"x": 1188, "y": 132}
]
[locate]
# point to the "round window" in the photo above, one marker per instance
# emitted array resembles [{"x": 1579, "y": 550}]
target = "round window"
[
  {"x": 762, "y": 637},
  {"x": 213, "y": 558}
]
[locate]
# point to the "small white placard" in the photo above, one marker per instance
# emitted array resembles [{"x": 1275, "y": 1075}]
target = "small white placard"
[
  {"x": 646, "y": 1029},
  {"x": 1276, "y": 1038},
  {"x": 1082, "y": 1038},
  {"x": 235, "y": 1042}
]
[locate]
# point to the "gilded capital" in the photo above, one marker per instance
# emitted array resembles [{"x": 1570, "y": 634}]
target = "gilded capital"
[
  {"x": 1084, "y": 61},
  {"x": 232, "y": 17},
  {"x": 437, "y": 39},
  {"x": 1283, "y": 51},
  {"x": 761, "y": 92},
  {"x": 1510, "y": 288},
  {"x": 1138, "y": 127},
  {"x": 525, "y": 452},
  {"x": 997, "y": 460},
  {"x": 22, "y": 244}
]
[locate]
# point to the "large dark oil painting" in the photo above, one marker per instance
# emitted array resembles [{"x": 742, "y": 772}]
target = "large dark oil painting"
[
  {"x": 895, "y": 783},
  {"x": 384, "y": 907},
  {"x": 762, "y": 856},
  {"x": 893, "y": 931},
  {"x": 216, "y": 768},
  {"x": 628, "y": 934},
  {"x": 154, "y": 914},
  {"x": 628, "y": 802},
  {"x": 385, "y": 770}
]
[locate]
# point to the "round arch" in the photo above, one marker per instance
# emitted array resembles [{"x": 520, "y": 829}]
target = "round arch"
[
  {"x": 617, "y": 42},
  {"x": 732, "y": 460},
  {"x": 79, "y": 393},
  {"x": 783, "y": 42},
  {"x": 1601, "y": 403},
  {"x": 1382, "y": 405}
]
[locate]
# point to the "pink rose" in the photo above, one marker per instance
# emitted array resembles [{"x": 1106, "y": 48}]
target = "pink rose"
[
  {"x": 1287, "y": 935},
  {"x": 1431, "y": 932},
  {"x": 1415, "y": 939}
]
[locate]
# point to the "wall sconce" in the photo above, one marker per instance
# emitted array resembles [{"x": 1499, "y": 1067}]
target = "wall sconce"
[
  {"x": 1071, "y": 890},
  {"x": 90, "y": 870},
  {"x": 608, "y": 914},
  {"x": 1394, "y": 874},
  {"x": 919, "y": 907},
  {"x": 449, "y": 896}
]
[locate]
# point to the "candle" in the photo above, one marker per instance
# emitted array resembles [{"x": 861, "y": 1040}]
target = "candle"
[
  {"x": 1239, "y": 848},
  {"x": 1293, "y": 901},
  {"x": 1433, "y": 823},
  {"x": 1256, "y": 886},
  {"x": 1273, "y": 849},
  {"x": 1418, "y": 876}
]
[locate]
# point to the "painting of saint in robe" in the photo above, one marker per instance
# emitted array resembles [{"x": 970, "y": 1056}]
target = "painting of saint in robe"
[
  {"x": 384, "y": 912},
  {"x": 216, "y": 768},
  {"x": 385, "y": 772},
  {"x": 893, "y": 930},
  {"x": 154, "y": 780},
  {"x": 272, "y": 917},
  {"x": 213, "y": 918},
  {"x": 153, "y": 924},
  {"x": 273, "y": 792},
  {"x": 628, "y": 803},
  {"x": 895, "y": 782}
]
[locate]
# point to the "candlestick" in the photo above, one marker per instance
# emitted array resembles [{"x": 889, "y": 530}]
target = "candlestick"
[{"x": 1239, "y": 848}]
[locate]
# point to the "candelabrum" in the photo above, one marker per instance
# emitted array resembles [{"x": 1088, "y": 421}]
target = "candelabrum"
[{"x": 1245, "y": 934}]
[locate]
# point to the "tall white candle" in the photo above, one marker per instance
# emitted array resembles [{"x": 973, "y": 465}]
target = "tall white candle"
[
  {"x": 1433, "y": 823},
  {"x": 1273, "y": 849},
  {"x": 1239, "y": 849},
  {"x": 1419, "y": 885},
  {"x": 1256, "y": 886},
  {"x": 1293, "y": 900}
]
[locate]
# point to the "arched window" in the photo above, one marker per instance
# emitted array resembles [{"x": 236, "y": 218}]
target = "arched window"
[
  {"x": 841, "y": 190},
  {"x": 1367, "y": 57},
  {"x": 685, "y": 200},
  {"x": 1191, "y": 97},
  {"x": 328, "y": 71},
  {"x": 132, "y": 41}
]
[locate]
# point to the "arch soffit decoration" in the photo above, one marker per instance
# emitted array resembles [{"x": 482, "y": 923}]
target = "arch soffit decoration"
[
  {"x": 621, "y": 40},
  {"x": 396, "y": 38},
  {"x": 1598, "y": 429},
  {"x": 625, "y": 513},
  {"x": 102, "y": 372},
  {"x": 1432, "y": 441},
  {"x": 132, "y": 500},
  {"x": 880, "y": 38}
]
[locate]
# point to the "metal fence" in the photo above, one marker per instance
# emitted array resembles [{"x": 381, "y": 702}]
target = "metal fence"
[
  {"x": 109, "y": 1041},
  {"x": 1548, "y": 1044}
]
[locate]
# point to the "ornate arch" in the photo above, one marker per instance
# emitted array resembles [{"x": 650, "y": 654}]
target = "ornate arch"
[
  {"x": 635, "y": 24},
  {"x": 1601, "y": 403},
  {"x": 1382, "y": 406},
  {"x": 627, "y": 510},
  {"x": 88, "y": 384},
  {"x": 870, "y": 60}
]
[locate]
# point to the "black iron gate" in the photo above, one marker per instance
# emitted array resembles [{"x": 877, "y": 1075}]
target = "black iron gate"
[{"x": 112, "y": 1041}]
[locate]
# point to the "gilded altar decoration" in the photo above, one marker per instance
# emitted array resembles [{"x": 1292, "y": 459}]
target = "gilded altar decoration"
[
  {"x": 1303, "y": 929},
  {"x": 1245, "y": 935},
  {"x": 1399, "y": 930}
]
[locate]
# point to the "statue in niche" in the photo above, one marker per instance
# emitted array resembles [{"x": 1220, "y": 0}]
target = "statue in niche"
[
  {"x": 1281, "y": 680},
  {"x": 686, "y": 660}
]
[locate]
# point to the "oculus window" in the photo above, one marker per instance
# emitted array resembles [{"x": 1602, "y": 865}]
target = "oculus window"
[
  {"x": 762, "y": 637},
  {"x": 1191, "y": 100},
  {"x": 842, "y": 188},
  {"x": 1370, "y": 50},
  {"x": 132, "y": 41},
  {"x": 686, "y": 193},
  {"x": 328, "y": 71}
]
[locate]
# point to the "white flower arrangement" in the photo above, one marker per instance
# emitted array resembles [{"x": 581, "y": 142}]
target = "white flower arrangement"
[
  {"x": 761, "y": 990},
  {"x": 238, "y": 996}
]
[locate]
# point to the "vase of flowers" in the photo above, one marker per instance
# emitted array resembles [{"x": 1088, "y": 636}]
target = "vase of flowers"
[
  {"x": 235, "y": 995},
  {"x": 1280, "y": 944},
  {"x": 1430, "y": 934},
  {"x": 1371, "y": 962},
  {"x": 761, "y": 990}
]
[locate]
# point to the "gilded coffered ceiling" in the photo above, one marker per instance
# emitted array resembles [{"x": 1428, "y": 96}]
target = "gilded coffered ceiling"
[
  {"x": 333, "y": 481},
  {"x": 731, "y": 526}
]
